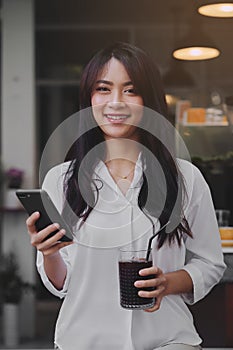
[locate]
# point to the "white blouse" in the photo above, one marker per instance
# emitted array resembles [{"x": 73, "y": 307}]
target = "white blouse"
[{"x": 91, "y": 316}]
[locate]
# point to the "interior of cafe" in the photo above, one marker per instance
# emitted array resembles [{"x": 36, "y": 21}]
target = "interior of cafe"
[{"x": 44, "y": 47}]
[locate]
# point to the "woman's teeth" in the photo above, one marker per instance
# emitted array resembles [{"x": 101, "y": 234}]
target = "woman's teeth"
[{"x": 117, "y": 117}]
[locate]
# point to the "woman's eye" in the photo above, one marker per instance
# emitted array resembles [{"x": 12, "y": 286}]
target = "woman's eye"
[
  {"x": 102, "y": 88},
  {"x": 130, "y": 91}
]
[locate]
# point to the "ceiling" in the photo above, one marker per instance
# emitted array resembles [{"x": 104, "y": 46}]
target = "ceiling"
[
  {"x": 105, "y": 11},
  {"x": 68, "y": 32}
]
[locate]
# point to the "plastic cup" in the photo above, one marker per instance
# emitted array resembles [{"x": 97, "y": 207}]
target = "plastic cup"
[{"x": 130, "y": 263}]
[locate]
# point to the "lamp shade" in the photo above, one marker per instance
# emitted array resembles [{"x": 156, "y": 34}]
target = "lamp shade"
[
  {"x": 196, "y": 45},
  {"x": 194, "y": 53},
  {"x": 223, "y": 10}
]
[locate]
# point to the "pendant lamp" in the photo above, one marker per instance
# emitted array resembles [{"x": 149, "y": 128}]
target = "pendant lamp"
[
  {"x": 223, "y": 10},
  {"x": 196, "y": 45}
]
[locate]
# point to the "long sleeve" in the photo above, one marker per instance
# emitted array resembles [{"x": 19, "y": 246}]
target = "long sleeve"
[
  {"x": 53, "y": 185},
  {"x": 204, "y": 260},
  {"x": 40, "y": 267}
]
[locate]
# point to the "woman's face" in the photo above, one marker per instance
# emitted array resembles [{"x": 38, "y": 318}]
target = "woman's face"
[{"x": 117, "y": 108}]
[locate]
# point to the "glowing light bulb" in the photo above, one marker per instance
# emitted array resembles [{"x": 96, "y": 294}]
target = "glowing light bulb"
[
  {"x": 195, "y": 52},
  {"x": 226, "y": 8}
]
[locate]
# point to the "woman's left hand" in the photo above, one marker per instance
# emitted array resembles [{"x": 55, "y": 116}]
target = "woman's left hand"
[{"x": 159, "y": 282}]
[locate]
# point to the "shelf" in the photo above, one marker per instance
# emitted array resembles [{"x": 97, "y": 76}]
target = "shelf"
[
  {"x": 227, "y": 249},
  {"x": 225, "y": 123}
]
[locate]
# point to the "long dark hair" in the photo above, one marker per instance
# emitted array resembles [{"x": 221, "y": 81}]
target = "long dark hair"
[{"x": 146, "y": 79}]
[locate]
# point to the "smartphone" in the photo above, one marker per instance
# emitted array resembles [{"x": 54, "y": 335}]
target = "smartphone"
[{"x": 39, "y": 200}]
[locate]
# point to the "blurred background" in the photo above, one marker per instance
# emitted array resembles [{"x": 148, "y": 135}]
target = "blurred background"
[{"x": 44, "y": 47}]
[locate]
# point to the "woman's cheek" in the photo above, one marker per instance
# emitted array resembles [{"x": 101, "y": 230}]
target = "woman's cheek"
[{"x": 97, "y": 99}]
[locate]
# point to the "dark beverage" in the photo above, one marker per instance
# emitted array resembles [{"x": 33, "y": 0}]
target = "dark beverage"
[{"x": 129, "y": 273}]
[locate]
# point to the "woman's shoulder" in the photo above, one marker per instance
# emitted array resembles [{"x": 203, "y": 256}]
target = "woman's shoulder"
[
  {"x": 53, "y": 183},
  {"x": 194, "y": 181},
  {"x": 56, "y": 175},
  {"x": 59, "y": 169},
  {"x": 189, "y": 170}
]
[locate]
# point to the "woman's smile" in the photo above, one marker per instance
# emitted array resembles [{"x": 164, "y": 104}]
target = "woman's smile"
[{"x": 116, "y": 118}]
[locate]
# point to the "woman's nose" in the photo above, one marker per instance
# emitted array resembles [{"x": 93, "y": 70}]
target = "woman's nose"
[
  {"x": 116, "y": 104},
  {"x": 116, "y": 100}
]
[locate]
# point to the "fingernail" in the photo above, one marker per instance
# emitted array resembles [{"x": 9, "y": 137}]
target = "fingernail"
[
  {"x": 138, "y": 284},
  {"x": 62, "y": 232},
  {"x": 56, "y": 225},
  {"x": 140, "y": 293}
]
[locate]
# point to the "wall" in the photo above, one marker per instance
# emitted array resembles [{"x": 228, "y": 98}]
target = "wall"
[{"x": 18, "y": 132}]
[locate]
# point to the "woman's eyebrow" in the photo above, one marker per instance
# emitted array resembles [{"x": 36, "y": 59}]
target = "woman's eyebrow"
[
  {"x": 127, "y": 83},
  {"x": 102, "y": 81}
]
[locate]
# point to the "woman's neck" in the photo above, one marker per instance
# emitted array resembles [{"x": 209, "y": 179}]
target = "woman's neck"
[
  {"x": 121, "y": 157},
  {"x": 121, "y": 151}
]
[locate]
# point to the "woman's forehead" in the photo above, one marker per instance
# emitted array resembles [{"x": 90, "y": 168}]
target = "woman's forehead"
[{"x": 112, "y": 65}]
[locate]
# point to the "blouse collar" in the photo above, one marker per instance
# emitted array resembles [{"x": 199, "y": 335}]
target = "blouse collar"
[{"x": 103, "y": 174}]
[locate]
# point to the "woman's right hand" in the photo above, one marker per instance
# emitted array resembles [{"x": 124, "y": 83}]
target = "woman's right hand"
[{"x": 49, "y": 246}]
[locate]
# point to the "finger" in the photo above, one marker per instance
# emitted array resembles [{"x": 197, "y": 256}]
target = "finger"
[
  {"x": 43, "y": 234},
  {"x": 31, "y": 220},
  {"x": 42, "y": 242},
  {"x": 56, "y": 238},
  {"x": 154, "y": 270},
  {"x": 151, "y": 294},
  {"x": 152, "y": 282},
  {"x": 57, "y": 246},
  {"x": 154, "y": 308}
]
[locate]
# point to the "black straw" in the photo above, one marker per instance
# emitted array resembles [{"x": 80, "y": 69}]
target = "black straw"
[{"x": 151, "y": 239}]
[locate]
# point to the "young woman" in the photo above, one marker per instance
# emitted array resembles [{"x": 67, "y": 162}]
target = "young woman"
[{"x": 122, "y": 186}]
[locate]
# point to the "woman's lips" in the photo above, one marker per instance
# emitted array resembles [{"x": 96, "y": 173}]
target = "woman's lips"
[{"x": 116, "y": 118}]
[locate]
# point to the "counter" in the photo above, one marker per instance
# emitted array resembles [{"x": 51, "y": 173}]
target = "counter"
[
  {"x": 213, "y": 315},
  {"x": 228, "y": 274}
]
